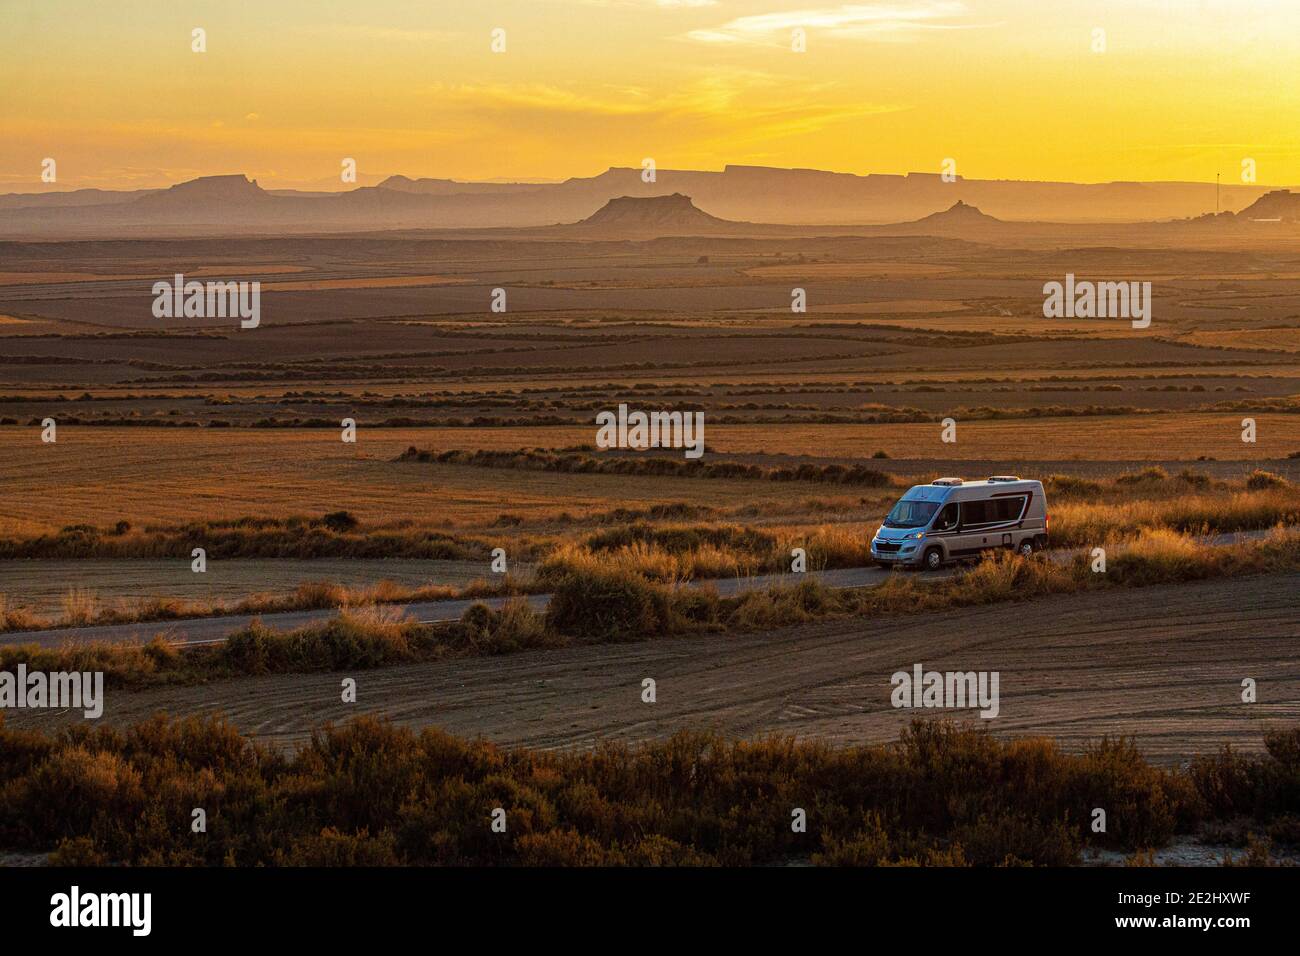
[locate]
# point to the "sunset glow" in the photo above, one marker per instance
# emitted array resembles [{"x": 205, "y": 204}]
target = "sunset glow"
[{"x": 1007, "y": 88}]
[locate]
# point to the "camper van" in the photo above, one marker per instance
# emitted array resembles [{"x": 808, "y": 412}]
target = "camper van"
[{"x": 951, "y": 519}]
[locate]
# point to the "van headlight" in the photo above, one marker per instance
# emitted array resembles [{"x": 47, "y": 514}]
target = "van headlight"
[{"x": 918, "y": 536}]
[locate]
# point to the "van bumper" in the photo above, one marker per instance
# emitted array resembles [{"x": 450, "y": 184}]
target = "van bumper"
[{"x": 906, "y": 552}]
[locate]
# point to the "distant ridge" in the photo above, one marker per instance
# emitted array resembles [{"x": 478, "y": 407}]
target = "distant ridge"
[{"x": 737, "y": 198}]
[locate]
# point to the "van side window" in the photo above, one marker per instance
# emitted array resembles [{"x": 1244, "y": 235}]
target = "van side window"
[
  {"x": 947, "y": 518},
  {"x": 1009, "y": 509},
  {"x": 993, "y": 511}
]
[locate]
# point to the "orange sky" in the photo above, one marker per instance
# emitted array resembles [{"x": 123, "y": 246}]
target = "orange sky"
[{"x": 288, "y": 88}]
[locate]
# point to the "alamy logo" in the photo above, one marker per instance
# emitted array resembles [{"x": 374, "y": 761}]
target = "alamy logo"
[
  {"x": 208, "y": 300},
  {"x": 955, "y": 689},
  {"x": 651, "y": 430},
  {"x": 1098, "y": 300},
  {"x": 74, "y": 908},
  {"x": 77, "y": 690}
]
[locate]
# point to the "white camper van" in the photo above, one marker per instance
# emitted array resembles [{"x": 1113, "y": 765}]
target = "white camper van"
[{"x": 950, "y": 519}]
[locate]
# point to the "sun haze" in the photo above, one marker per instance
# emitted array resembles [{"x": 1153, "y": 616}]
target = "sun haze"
[{"x": 1018, "y": 89}]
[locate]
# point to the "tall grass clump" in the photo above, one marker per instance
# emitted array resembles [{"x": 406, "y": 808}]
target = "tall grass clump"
[
  {"x": 611, "y": 604},
  {"x": 515, "y": 626},
  {"x": 355, "y": 638}
]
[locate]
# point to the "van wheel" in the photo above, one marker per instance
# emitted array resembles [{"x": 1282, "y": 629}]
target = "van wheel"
[
  {"x": 1027, "y": 548},
  {"x": 933, "y": 559}
]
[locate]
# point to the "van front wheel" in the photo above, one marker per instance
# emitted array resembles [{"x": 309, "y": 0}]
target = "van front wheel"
[{"x": 933, "y": 559}]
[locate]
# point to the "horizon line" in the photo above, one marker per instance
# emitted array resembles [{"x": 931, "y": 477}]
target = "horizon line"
[{"x": 51, "y": 188}]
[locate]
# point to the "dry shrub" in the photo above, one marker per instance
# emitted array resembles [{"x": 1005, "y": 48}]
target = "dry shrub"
[
  {"x": 1259, "y": 480},
  {"x": 1072, "y": 486},
  {"x": 14, "y": 618},
  {"x": 513, "y": 627},
  {"x": 330, "y": 847},
  {"x": 371, "y": 793},
  {"x": 1149, "y": 475},
  {"x": 364, "y": 637},
  {"x": 610, "y": 604},
  {"x": 782, "y": 606},
  {"x": 1161, "y": 555}
]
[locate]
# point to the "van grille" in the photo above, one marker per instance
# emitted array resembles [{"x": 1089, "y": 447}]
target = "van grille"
[{"x": 886, "y": 546}]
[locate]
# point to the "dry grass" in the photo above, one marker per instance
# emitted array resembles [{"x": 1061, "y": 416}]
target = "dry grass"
[
  {"x": 82, "y": 607},
  {"x": 16, "y": 618},
  {"x": 595, "y": 600},
  {"x": 1092, "y": 524}
]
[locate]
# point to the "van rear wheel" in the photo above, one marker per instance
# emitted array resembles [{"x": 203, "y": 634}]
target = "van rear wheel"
[
  {"x": 933, "y": 559},
  {"x": 1027, "y": 548}
]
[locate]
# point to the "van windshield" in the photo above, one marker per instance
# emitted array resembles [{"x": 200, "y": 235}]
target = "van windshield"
[{"x": 909, "y": 513}]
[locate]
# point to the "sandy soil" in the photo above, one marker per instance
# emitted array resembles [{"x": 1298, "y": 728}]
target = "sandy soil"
[{"x": 1163, "y": 665}]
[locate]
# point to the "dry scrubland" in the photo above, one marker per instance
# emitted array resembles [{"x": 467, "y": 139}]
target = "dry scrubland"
[
  {"x": 598, "y": 598},
  {"x": 669, "y": 542},
  {"x": 372, "y": 794},
  {"x": 173, "y": 436}
]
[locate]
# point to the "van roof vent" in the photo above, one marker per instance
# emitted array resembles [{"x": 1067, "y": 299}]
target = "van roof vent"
[
  {"x": 946, "y": 481},
  {"x": 1004, "y": 477}
]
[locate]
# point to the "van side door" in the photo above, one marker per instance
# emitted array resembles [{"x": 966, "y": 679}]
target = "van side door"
[
  {"x": 970, "y": 530},
  {"x": 944, "y": 527}
]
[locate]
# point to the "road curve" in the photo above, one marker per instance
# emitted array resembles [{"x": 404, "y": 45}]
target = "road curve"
[
  {"x": 1162, "y": 664},
  {"x": 211, "y": 630}
]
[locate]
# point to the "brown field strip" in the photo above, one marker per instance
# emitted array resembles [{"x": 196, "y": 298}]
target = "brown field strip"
[{"x": 99, "y": 475}]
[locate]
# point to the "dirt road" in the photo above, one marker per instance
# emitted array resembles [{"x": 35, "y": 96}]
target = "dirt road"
[
  {"x": 1161, "y": 664},
  {"x": 210, "y": 630}
]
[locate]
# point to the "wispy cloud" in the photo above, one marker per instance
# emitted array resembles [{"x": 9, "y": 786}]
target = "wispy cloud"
[
  {"x": 665, "y": 4},
  {"x": 851, "y": 21},
  {"x": 726, "y": 105},
  {"x": 382, "y": 34}
]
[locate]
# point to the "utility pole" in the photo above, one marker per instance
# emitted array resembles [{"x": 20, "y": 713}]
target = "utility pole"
[{"x": 1216, "y": 194}]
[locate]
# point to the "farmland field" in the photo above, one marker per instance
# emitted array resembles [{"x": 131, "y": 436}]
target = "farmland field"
[{"x": 476, "y": 430}]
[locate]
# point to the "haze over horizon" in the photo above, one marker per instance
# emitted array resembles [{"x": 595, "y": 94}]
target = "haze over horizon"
[
  {"x": 365, "y": 179},
  {"x": 1009, "y": 89}
]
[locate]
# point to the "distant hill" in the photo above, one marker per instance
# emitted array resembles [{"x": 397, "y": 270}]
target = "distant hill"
[
  {"x": 73, "y": 197},
  {"x": 675, "y": 214},
  {"x": 1280, "y": 204},
  {"x": 957, "y": 216}
]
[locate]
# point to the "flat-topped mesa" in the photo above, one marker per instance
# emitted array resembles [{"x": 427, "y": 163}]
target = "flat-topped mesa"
[
  {"x": 235, "y": 188},
  {"x": 652, "y": 212}
]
